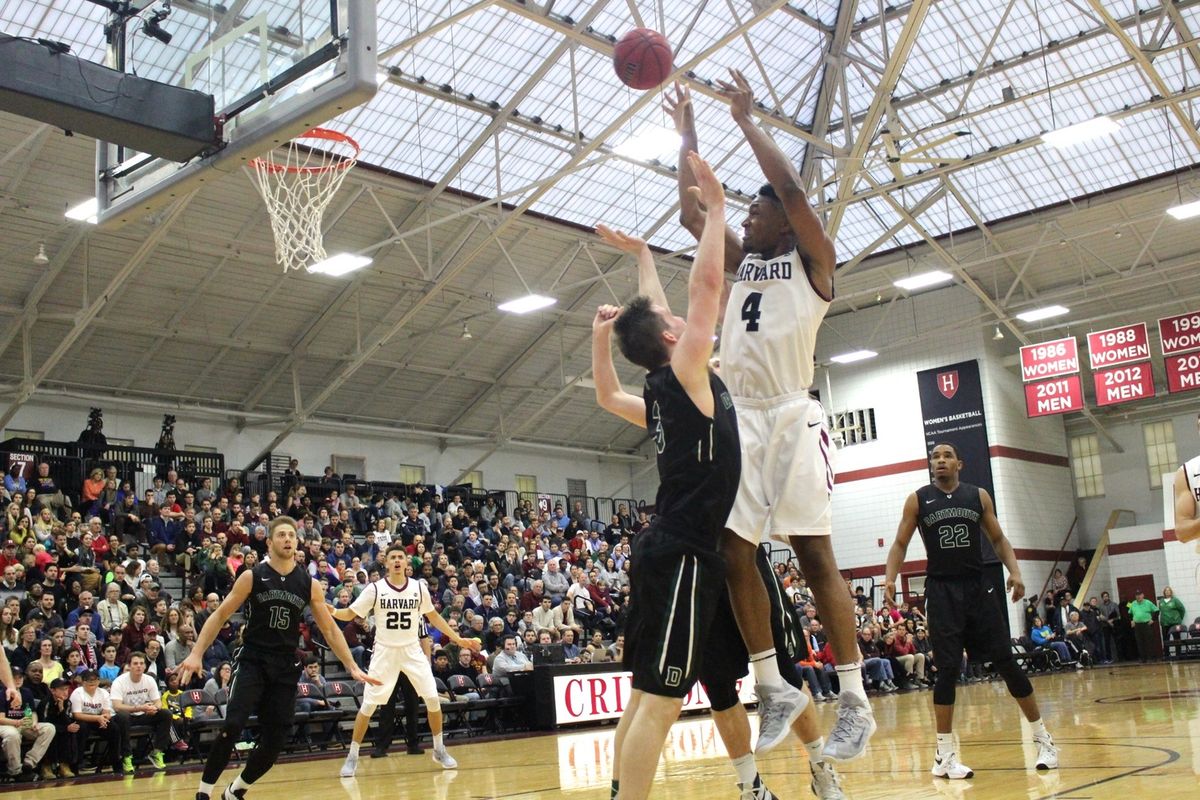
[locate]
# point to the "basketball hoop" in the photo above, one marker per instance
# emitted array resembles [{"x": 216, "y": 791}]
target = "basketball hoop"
[{"x": 297, "y": 189}]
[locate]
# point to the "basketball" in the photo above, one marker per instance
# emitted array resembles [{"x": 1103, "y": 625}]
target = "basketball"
[{"x": 643, "y": 58}]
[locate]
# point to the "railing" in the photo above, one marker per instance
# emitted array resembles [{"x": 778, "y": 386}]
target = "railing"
[{"x": 1101, "y": 550}]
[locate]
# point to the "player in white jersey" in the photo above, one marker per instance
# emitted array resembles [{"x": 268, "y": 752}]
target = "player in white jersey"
[
  {"x": 398, "y": 603},
  {"x": 1187, "y": 499},
  {"x": 783, "y": 270}
]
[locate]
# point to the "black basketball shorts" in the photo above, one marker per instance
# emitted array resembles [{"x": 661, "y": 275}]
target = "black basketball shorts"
[
  {"x": 966, "y": 613},
  {"x": 674, "y": 588},
  {"x": 264, "y": 685}
]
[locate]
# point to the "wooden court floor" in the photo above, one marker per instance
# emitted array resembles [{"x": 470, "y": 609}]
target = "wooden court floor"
[{"x": 1128, "y": 732}]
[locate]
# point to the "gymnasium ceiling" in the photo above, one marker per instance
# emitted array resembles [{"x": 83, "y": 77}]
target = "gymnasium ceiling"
[{"x": 915, "y": 125}]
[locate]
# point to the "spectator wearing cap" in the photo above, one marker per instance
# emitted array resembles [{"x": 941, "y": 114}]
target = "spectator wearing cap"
[
  {"x": 47, "y": 612},
  {"x": 19, "y": 723},
  {"x": 63, "y": 756},
  {"x": 92, "y": 709},
  {"x": 87, "y": 605}
]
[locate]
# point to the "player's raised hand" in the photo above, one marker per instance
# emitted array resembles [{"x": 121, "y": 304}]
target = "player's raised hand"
[
  {"x": 678, "y": 103},
  {"x": 188, "y": 668},
  {"x": 739, "y": 94},
  {"x": 708, "y": 190},
  {"x": 606, "y": 317},
  {"x": 1016, "y": 586},
  {"x": 357, "y": 674},
  {"x": 620, "y": 240},
  {"x": 471, "y": 644}
]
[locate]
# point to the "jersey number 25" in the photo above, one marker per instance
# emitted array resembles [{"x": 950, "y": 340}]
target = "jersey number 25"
[{"x": 398, "y": 620}]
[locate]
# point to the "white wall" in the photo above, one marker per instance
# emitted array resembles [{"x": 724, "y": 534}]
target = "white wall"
[{"x": 384, "y": 452}]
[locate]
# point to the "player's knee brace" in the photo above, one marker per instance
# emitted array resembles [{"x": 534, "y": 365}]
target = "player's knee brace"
[
  {"x": 367, "y": 709},
  {"x": 722, "y": 697},
  {"x": 1014, "y": 677},
  {"x": 944, "y": 687},
  {"x": 433, "y": 703}
]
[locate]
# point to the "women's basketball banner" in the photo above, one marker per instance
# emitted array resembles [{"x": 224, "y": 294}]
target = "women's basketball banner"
[
  {"x": 1180, "y": 334},
  {"x": 952, "y": 411},
  {"x": 1117, "y": 346},
  {"x": 1049, "y": 359}
]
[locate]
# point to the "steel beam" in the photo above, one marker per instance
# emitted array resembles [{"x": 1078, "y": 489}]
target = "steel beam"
[{"x": 833, "y": 76}]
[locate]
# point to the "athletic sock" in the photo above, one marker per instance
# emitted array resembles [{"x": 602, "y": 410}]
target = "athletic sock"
[
  {"x": 437, "y": 742},
  {"x": 814, "y": 748},
  {"x": 616, "y": 787},
  {"x": 766, "y": 668},
  {"x": 238, "y": 785},
  {"x": 1039, "y": 728},
  {"x": 746, "y": 769},
  {"x": 353, "y": 750},
  {"x": 850, "y": 680},
  {"x": 945, "y": 743},
  {"x": 207, "y": 788}
]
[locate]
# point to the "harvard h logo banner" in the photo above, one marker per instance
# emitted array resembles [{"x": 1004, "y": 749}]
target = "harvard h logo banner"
[{"x": 947, "y": 383}]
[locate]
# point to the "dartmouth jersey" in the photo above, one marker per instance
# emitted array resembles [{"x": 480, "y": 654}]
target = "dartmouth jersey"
[
  {"x": 398, "y": 610},
  {"x": 770, "y": 329},
  {"x": 699, "y": 459},
  {"x": 1191, "y": 471},
  {"x": 275, "y": 610},
  {"x": 949, "y": 524}
]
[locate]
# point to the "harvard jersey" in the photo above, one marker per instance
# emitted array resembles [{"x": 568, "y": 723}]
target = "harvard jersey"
[
  {"x": 699, "y": 458},
  {"x": 275, "y": 610},
  {"x": 770, "y": 329},
  {"x": 950, "y": 525},
  {"x": 1191, "y": 472},
  {"x": 398, "y": 610}
]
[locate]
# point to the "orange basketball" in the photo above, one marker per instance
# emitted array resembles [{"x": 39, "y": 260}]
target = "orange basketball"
[{"x": 643, "y": 59}]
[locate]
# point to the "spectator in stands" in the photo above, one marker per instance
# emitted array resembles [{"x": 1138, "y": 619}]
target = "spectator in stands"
[
  {"x": 133, "y": 635},
  {"x": 563, "y": 618},
  {"x": 899, "y": 646},
  {"x": 1171, "y": 612},
  {"x": 814, "y": 673},
  {"x": 178, "y": 649},
  {"x": 62, "y": 758},
  {"x": 51, "y": 667},
  {"x": 14, "y": 480},
  {"x": 1141, "y": 612},
  {"x": 1078, "y": 641},
  {"x": 875, "y": 667},
  {"x": 18, "y": 723},
  {"x": 556, "y": 584},
  {"x": 510, "y": 659},
  {"x": 110, "y": 669},
  {"x": 1059, "y": 585},
  {"x": 1044, "y": 636},
  {"x": 1062, "y": 615},
  {"x": 27, "y": 649},
  {"x": 92, "y": 709}
]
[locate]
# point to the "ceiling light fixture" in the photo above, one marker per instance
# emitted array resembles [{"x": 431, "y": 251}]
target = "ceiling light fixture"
[
  {"x": 85, "y": 211},
  {"x": 923, "y": 280},
  {"x": 340, "y": 264},
  {"x": 648, "y": 143},
  {"x": 1046, "y": 312},
  {"x": 854, "y": 355},
  {"x": 41, "y": 259},
  {"x": 466, "y": 332},
  {"x": 523, "y": 305},
  {"x": 1185, "y": 210},
  {"x": 1081, "y": 132},
  {"x": 998, "y": 335}
]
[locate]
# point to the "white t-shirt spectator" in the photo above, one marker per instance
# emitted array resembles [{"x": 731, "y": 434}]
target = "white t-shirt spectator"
[
  {"x": 145, "y": 691},
  {"x": 84, "y": 703}
]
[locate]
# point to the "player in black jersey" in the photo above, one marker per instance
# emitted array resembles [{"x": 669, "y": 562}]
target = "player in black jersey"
[
  {"x": 266, "y": 671},
  {"x": 678, "y": 575},
  {"x": 963, "y": 608}
]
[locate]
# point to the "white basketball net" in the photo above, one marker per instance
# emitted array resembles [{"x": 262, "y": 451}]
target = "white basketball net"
[{"x": 297, "y": 184}]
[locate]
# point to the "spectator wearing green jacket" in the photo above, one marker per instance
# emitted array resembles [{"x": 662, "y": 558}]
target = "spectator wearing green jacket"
[
  {"x": 1170, "y": 613},
  {"x": 1142, "y": 611}
]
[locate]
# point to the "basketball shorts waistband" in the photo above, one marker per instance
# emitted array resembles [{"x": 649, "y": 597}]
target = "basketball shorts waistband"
[{"x": 767, "y": 403}]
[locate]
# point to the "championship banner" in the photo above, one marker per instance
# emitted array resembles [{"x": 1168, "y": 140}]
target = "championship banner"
[
  {"x": 952, "y": 411},
  {"x": 1049, "y": 359},
  {"x": 1059, "y": 396},
  {"x": 1180, "y": 334},
  {"x": 1183, "y": 373},
  {"x": 1123, "y": 384},
  {"x": 1117, "y": 346}
]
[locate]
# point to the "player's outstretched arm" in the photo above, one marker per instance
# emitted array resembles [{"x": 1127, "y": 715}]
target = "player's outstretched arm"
[
  {"x": 895, "y": 559},
  {"x": 690, "y": 358},
  {"x": 1000, "y": 543},
  {"x": 333, "y": 636},
  {"x": 609, "y": 394},
  {"x": 678, "y": 102},
  {"x": 344, "y": 614},
  {"x": 811, "y": 240},
  {"x": 194, "y": 663},
  {"x": 648, "y": 282},
  {"x": 435, "y": 619},
  {"x": 1187, "y": 526},
  {"x": 6, "y": 677}
]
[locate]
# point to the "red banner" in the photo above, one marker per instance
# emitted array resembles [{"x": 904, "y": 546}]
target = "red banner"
[
  {"x": 1059, "y": 396},
  {"x": 1049, "y": 359},
  {"x": 1118, "y": 346},
  {"x": 1123, "y": 384},
  {"x": 1183, "y": 373},
  {"x": 1180, "y": 334}
]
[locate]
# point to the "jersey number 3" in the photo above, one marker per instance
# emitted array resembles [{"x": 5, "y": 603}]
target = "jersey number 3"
[
  {"x": 952, "y": 537},
  {"x": 399, "y": 620},
  {"x": 750, "y": 310}
]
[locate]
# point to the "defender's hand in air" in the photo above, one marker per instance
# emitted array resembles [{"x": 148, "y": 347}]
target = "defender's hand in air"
[
  {"x": 471, "y": 644},
  {"x": 679, "y": 106},
  {"x": 622, "y": 241},
  {"x": 708, "y": 189},
  {"x": 606, "y": 317},
  {"x": 739, "y": 94}
]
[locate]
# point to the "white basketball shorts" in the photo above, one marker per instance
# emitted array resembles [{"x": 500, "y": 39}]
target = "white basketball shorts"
[
  {"x": 386, "y": 665},
  {"x": 787, "y": 470}
]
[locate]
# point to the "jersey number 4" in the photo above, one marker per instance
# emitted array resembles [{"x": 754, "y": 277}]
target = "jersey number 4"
[
  {"x": 950, "y": 537},
  {"x": 398, "y": 620},
  {"x": 750, "y": 310}
]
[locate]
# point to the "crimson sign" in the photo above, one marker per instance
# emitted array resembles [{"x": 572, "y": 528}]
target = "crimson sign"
[
  {"x": 1059, "y": 396},
  {"x": 1180, "y": 334},
  {"x": 1049, "y": 359},
  {"x": 1123, "y": 384},
  {"x": 1183, "y": 373},
  {"x": 1118, "y": 346}
]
